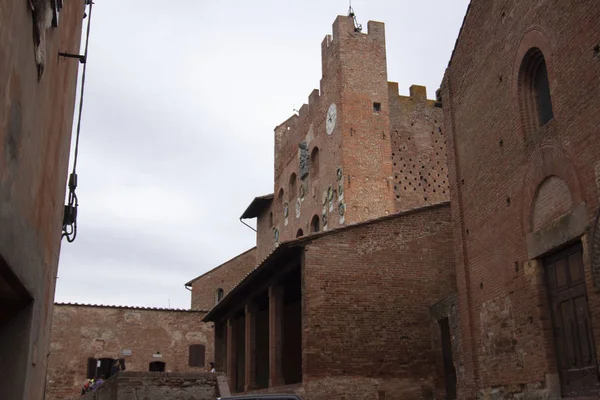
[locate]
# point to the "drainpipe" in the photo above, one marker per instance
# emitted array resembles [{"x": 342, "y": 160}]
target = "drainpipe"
[{"x": 247, "y": 225}]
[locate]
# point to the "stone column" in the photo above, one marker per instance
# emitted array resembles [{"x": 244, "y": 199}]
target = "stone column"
[
  {"x": 230, "y": 369},
  {"x": 275, "y": 335},
  {"x": 250, "y": 347}
]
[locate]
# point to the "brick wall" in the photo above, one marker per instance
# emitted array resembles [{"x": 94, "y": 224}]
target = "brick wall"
[
  {"x": 81, "y": 332},
  {"x": 157, "y": 386},
  {"x": 225, "y": 276},
  {"x": 36, "y": 118},
  {"x": 355, "y": 180},
  {"x": 418, "y": 149},
  {"x": 367, "y": 296},
  {"x": 265, "y": 231},
  {"x": 497, "y": 164}
]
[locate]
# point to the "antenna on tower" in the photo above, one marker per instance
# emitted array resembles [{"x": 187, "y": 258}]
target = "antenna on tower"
[{"x": 357, "y": 26}]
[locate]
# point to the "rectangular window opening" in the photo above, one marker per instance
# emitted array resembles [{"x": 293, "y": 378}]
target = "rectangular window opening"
[{"x": 376, "y": 107}]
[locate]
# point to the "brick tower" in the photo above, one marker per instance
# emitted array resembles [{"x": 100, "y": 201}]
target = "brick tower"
[
  {"x": 357, "y": 61},
  {"x": 333, "y": 160}
]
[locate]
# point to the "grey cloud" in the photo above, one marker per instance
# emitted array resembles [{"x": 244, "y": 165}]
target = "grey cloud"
[{"x": 177, "y": 135}]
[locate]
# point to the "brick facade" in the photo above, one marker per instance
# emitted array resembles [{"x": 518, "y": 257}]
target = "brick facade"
[
  {"x": 225, "y": 277},
  {"x": 393, "y": 307},
  {"x": 81, "y": 332},
  {"x": 521, "y": 188},
  {"x": 418, "y": 149},
  {"x": 367, "y": 327},
  {"x": 37, "y": 99},
  {"x": 362, "y": 305},
  {"x": 358, "y": 174}
]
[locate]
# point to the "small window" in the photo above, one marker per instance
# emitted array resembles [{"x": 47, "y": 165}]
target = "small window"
[
  {"x": 219, "y": 294},
  {"x": 271, "y": 219},
  {"x": 376, "y": 107},
  {"x": 156, "y": 366},
  {"x": 196, "y": 355},
  {"x": 314, "y": 162},
  {"x": 535, "y": 101},
  {"x": 314, "y": 224},
  {"x": 542, "y": 92},
  {"x": 299, "y": 233},
  {"x": 292, "y": 187},
  {"x": 280, "y": 199}
]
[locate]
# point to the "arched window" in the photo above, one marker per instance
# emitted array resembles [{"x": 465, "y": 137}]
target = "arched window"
[
  {"x": 292, "y": 188},
  {"x": 280, "y": 199},
  {"x": 535, "y": 102},
  {"x": 299, "y": 233},
  {"x": 314, "y": 162},
  {"x": 314, "y": 224},
  {"x": 219, "y": 294}
]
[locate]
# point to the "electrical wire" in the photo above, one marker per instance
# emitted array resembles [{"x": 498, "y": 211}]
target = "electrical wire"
[{"x": 69, "y": 229}]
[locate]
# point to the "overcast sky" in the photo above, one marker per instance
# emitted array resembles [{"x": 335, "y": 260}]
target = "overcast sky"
[{"x": 180, "y": 103}]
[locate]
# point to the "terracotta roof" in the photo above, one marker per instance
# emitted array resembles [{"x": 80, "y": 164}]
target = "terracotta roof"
[
  {"x": 299, "y": 242},
  {"x": 219, "y": 266},
  {"x": 257, "y": 205},
  {"x": 130, "y": 307},
  {"x": 282, "y": 250}
]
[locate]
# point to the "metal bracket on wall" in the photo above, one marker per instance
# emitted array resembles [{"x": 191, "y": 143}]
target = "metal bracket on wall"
[{"x": 81, "y": 58}]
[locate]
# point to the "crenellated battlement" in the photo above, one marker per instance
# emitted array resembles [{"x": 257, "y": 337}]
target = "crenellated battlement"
[
  {"x": 418, "y": 93},
  {"x": 344, "y": 33},
  {"x": 286, "y": 130}
]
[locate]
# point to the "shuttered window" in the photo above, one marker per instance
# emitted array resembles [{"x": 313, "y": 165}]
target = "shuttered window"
[{"x": 196, "y": 355}]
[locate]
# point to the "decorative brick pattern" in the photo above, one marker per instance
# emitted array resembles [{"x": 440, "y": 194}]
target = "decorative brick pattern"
[{"x": 418, "y": 150}]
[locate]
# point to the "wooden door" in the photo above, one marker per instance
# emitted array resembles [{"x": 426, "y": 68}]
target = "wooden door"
[
  {"x": 449, "y": 370},
  {"x": 572, "y": 327}
]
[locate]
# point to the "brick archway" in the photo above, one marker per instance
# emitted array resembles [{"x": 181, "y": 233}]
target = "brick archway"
[
  {"x": 534, "y": 37},
  {"x": 547, "y": 161}
]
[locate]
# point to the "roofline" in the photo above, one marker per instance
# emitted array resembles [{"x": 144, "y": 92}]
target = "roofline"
[
  {"x": 219, "y": 266},
  {"x": 267, "y": 197},
  {"x": 284, "y": 246},
  {"x": 299, "y": 242},
  {"x": 312, "y": 236},
  {"x": 460, "y": 32},
  {"x": 59, "y": 304}
]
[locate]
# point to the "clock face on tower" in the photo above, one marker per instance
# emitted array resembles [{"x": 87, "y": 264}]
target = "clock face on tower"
[{"x": 331, "y": 118}]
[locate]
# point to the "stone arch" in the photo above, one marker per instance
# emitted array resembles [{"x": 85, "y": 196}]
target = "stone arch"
[
  {"x": 314, "y": 162},
  {"x": 280, "y": 199},
  {"x": 535, "y": 100},
  {"x": 533, "y": 38},
  {"x": 315, "y": 224},
  {"x": 219, "y": 294},
  {"x": 292, "y": 187},
  {"x": 548, "y": 166},
  {"x": 551, "y": 200}
]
